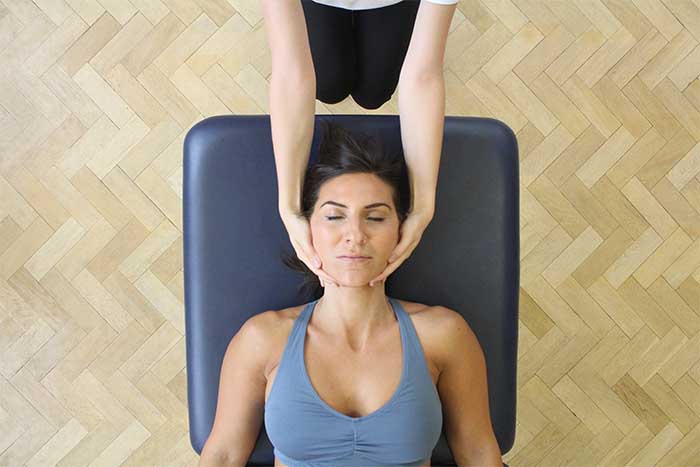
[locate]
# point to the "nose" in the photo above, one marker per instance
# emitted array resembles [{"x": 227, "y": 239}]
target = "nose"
[{"x": 355, "y": 232}]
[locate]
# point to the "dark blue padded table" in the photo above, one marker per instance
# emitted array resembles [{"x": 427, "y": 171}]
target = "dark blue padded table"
[{"x": 467, "y": 260}]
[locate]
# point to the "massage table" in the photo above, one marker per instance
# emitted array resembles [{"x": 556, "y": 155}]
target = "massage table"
[{"x": 467, "y": 259}]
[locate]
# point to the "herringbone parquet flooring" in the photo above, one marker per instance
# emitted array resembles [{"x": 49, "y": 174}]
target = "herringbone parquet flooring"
[{"x": 97, "y": 95}]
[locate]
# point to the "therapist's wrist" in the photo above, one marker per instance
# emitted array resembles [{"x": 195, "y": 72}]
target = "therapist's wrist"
[
  {"x": 289, "y": 210},
  {"x": 424, "y": 209}
]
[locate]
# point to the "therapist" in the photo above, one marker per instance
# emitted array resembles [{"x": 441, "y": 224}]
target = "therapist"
[{"x": 329, "y": 49}]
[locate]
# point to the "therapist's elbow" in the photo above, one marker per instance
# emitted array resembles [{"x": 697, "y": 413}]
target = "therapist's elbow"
[{"x": 421, "y": 75}]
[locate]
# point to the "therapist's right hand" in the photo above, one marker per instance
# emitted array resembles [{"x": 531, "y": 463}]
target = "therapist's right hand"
[{"x": 300, "y": 236}]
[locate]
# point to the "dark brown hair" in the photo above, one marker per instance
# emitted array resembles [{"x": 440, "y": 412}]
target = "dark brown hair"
[{"x": 340, "y": 153}]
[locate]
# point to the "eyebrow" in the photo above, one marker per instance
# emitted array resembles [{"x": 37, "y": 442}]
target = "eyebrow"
[{"x": 369, "y": 206}]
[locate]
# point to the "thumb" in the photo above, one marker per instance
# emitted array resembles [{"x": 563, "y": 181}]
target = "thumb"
[
  {"x": 315, "y": 260},
  {"x": 398, "y": 249},
  {"x": 311, "y": 252},
  {"x": 312, "y": 257}
]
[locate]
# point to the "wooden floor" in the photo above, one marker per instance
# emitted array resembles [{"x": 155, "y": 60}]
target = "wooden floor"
[{"x": 96, "y": 97}]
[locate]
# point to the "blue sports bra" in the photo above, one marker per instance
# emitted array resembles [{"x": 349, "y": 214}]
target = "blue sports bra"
[{"x": 306, "y": 432}]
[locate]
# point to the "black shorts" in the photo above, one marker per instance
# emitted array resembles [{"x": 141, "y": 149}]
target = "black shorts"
[{"x": 359, "y": 52}]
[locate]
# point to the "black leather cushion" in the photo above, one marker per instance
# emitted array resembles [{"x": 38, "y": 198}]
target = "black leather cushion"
[{"x": 467, "y": 260}]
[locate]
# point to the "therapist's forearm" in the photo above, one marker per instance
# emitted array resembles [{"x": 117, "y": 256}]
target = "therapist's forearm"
[
  {"x": 292, "y": 113},
  {"x": 422, "y": 115}
]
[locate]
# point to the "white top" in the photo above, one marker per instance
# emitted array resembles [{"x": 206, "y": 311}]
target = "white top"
[{"x": 367, "y": 4}]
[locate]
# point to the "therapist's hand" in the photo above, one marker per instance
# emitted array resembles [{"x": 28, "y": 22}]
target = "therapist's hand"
[
  {"x": 411, "y": 232},
  {"x": 300, "y": 235}
]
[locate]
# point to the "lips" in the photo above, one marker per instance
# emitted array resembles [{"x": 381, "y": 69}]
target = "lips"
[
  {"x": 354, "y": 257},
  {"x": 351, "y": 260}
]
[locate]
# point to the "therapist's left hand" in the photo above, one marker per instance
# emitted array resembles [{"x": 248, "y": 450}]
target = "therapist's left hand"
[{"x": 411, "y": 232}]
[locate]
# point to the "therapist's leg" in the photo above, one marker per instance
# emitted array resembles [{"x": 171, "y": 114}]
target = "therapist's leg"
[
  {"x": 382, "y": 36},
  {"x": 331, "y": 42}
]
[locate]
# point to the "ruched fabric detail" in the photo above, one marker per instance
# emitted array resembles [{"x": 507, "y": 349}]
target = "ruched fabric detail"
[{"x": 306, "y": 432}]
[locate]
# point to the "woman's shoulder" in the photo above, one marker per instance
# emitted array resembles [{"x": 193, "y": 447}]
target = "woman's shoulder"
[
  {"x": 436, "y": 326},
  {"x": 433, "y": 324}
]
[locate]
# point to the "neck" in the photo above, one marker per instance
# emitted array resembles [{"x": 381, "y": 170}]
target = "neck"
[{"x": 353, "y": 315}]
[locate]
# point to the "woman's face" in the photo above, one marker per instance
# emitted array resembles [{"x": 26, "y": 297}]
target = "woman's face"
[{"x": 354, "y": 230}]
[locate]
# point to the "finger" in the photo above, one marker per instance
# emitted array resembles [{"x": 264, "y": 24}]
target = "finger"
[
  {"x": 395, "y": 254},
  {"x": 393, "y": 265},
  {"x": 331, "y": 281},
  {"x": 310, "y": 251},
  {"x": 387, "y": 271},
  {"x": 377, "y": 282},
  {"x": 314, "y": 258},
  {"x": 316, "y": 270},
  {"x": 327, "y": 279},
  {"x": 311, "y": 259},
  {"x": 402, "y": 252},
  {"x": 309, "y": 262},
  {"x": 305, "y": 253},
  {"x": 303, "y": 257},
  {"x": 399, "y": 250}
]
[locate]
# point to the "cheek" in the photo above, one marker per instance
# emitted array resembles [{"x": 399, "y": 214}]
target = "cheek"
[
  {"x": 321, "y": 237},
  {"x": 325, "y": 237},
  {"x": 386, "y": 242},
  {"x": 388, "y": 246}
]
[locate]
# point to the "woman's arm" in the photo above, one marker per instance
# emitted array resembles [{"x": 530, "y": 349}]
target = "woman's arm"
[
  {"x": 240, "y": 406},
  {"x": 463, "y": 388}
]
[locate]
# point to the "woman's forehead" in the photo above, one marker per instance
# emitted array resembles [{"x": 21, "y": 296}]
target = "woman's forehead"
[{"x": 357, "y": 187}]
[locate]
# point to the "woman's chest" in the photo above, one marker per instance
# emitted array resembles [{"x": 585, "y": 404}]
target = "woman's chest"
[{"x": 357, "y": 384}]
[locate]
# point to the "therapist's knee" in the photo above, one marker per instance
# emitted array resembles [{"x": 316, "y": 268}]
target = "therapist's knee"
[
  {"x": 371, "y": 99},
  {"x": 332, "y": 91}
]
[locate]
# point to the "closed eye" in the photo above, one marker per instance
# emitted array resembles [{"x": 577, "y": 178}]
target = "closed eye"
[{"x": 375, "y": 219}]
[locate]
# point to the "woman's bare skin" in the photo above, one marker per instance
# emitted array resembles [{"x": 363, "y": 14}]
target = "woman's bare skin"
[{"x": 361, "y": 387}]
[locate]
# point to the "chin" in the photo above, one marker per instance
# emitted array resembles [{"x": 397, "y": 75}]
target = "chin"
[
  {"x": 356, "y": 285},
  {"x": 353, "y": 280}
]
